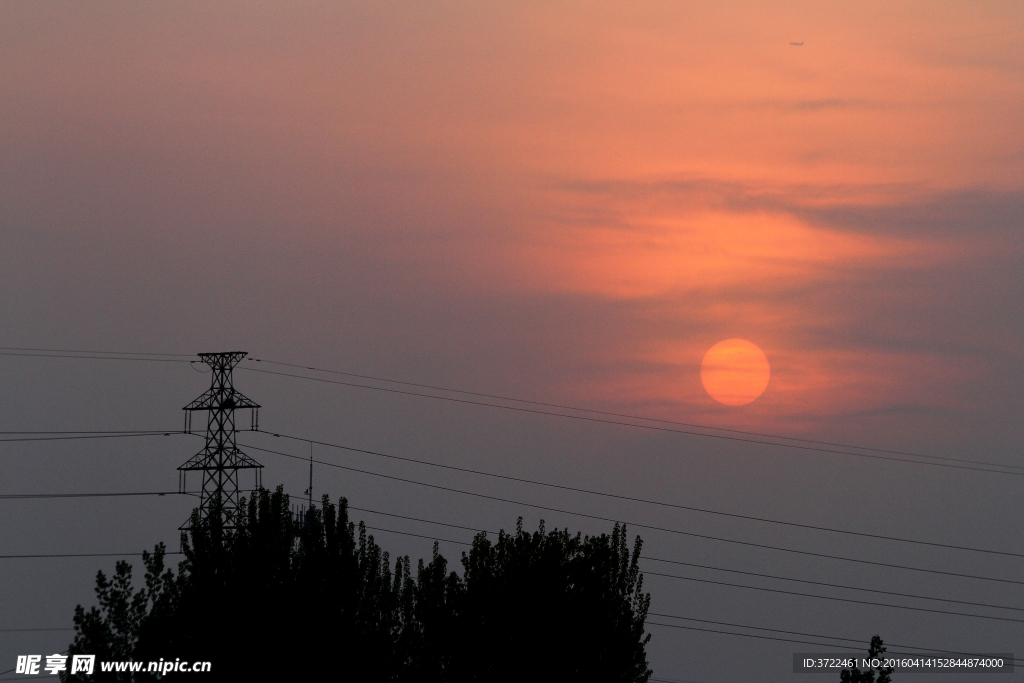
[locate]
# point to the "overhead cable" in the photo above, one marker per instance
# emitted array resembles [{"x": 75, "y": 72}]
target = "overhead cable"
[
  {"x": 669, "y": 616},
  {"x": 113, "y": 494},
  {"x": 85, "y": 436},
  {"x": 404, "y": 533},
  {"x": 646, "y": 501},
  {"x": 91, "y": 357},
  {"x": 181, "y": 358},
  {"x": 535, "y": 411},
  {"x": 708, "y": 567},
  {"x": 637, "y": 524},
  {"x": 628, "y": 415},
  {"x": 95, "y": 431},
  {"x": 116, "y": 353}
]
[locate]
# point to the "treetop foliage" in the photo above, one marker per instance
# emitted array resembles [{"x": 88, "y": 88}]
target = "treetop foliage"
[
  {"x": 275, "y": 597},
  {"x": 855, "y": 675}
]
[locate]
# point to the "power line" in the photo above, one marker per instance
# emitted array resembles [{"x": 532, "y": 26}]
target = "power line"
[
  {"x": 146, "y": 356},
  {"x": 627, "y": 415},
  {"x": 757, "y": 588},
  {"x": 639, "y": 525},
  {"x": 62, "y": 555},
  {"x": 86, "y": 436},
  {"x": 700, "y": 566},
  {"x": 409, "y": 533},
  {"x": 95, "y": 357},
  {"x": 837, "y": 599},
  {"x": 434, "y": 538},
  {"x": 673, "y": 616},
  {"x": 828, "y": 585},
  {"x": 180, "y": 358},
  {"x": 19, "y": 496},
  {"x": 677, "y": 506},
  {"x": 811, "y": 635},
  {"x": 116, "y": 353},
  {"x": 98, "y": 431},
  {"x": 24, "y": 630},
  {"x": 744, "y": 635},
  {"x": 645, "y": 426},
  {"x": 654, "y": 559},
  {"x": 784, "y": 640},
  {"x": 685, "y": 578},
  {"x": 790, "y": 640},
  {"x": 405, "y": 533},
  {"x": 96, "y": 435},
  {"x": 721, "y": 569},
  {"x": 420, "y": 519}
]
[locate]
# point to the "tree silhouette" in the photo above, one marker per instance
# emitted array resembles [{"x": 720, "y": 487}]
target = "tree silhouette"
[
  {"x": 275, "y": 598},
  {"x": 126, "y": 621},
  {"x": 855, "y": 675},
  {"x": 562, "y": 606}
]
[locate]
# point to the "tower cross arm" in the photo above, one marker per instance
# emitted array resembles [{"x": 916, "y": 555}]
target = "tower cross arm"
[
  {"x": 233, "y": 459},
  {"x": 221, "y": 398}
]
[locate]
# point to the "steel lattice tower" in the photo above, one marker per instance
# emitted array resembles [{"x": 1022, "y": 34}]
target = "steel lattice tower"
[{"x": 220, "y": 460}]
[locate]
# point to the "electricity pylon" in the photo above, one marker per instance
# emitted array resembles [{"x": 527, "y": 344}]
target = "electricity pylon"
[{"x": 220, "y": 459}]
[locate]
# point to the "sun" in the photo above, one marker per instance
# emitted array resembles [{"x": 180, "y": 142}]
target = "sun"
[{"x": 735, "y": 372}]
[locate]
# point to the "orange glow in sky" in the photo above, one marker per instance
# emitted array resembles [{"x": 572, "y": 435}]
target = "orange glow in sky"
[{"x": 680, "y": 166}]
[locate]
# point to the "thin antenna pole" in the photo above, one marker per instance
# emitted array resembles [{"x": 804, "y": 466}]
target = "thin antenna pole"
[{"x": 310, "y": 475}]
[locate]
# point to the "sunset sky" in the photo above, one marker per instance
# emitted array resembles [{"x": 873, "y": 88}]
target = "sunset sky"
[{"x": 569, "y": 202}]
